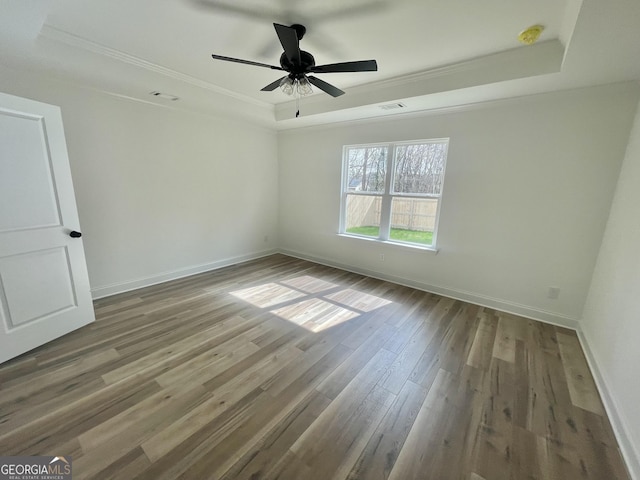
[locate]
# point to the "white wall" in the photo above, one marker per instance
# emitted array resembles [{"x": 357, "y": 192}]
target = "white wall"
[
  {"x": 161, "y": 192},
  {"x": 611, "y": 323},
  {"x": 528, "y": 188}
]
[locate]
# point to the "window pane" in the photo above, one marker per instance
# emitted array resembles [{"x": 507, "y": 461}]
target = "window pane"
[
  {"x": 363, "y": 215},
  {"x": 366, "y": 169},
  {"x": 419, "y": 168},
  {"x": 413, "y": 220}
]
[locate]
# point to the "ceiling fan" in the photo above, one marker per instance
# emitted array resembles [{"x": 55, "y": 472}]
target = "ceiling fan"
[{"x": 299, "y": 64}]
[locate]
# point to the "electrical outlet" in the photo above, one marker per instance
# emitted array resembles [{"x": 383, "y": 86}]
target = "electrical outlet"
[
  {"x": 266, "y": 238},
  {"x": 553, "y": 293},
  {"x": 382, "y": 257}
]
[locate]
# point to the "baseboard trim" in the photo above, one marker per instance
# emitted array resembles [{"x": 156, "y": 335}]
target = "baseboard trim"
[
  {"x": 478, "y": 299},
  {"x": 629, "y": 452},
  {"x": 122, "y": 287}
]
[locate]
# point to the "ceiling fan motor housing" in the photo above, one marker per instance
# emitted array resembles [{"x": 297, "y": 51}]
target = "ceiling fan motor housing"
[{"x": 306, "y": 62}]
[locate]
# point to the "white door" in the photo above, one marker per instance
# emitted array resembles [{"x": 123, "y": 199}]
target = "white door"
[{"x": 44, "y": 287}]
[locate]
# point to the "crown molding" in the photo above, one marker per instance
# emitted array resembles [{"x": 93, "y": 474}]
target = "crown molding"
[
  {"x": 52, "y": 33},
  {"x": 479, "y": 104},
  {"x": 530, "y": 55},
  {"x": 522, "y": 62}
]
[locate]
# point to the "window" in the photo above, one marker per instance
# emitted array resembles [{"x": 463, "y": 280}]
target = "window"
[{"x": 391, "y": 192}]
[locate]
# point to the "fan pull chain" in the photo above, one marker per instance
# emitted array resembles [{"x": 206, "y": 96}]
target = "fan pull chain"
[{"x": 297, "y": 104}]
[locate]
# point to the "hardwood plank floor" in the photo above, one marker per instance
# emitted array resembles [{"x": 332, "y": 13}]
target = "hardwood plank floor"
[{"x": 284, "y": 369}]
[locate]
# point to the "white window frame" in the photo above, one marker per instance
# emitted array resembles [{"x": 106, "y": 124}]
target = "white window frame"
[{"x": 388, "y": 195}]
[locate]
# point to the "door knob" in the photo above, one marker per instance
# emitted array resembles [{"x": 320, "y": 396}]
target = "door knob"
[{"x": 75, "y": 234}]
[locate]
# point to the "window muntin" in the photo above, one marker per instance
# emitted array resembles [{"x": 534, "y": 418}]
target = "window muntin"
[{"x": 392, "y": 192}]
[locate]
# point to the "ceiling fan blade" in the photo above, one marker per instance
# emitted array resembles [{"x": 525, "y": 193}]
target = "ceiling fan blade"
[
  {"x": 358, "y": 66},
  {"x": 273, "y": 86},
  {"x": 364, "y": 7},
  {"x": 247, "y": 62},
  {"x": 289, "y": 40},
  {"x": 325, "y": 87},
  {"x": 233, "y": 8}
]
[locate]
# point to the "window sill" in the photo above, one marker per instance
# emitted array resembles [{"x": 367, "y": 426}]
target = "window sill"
[{"x": 410, "y": 246}]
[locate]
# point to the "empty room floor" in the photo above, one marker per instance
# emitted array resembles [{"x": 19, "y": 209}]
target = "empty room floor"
[{"x": 284, "y": 369}]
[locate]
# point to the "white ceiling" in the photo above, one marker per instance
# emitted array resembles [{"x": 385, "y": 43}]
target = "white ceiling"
[{"x": 430, "y": 53}]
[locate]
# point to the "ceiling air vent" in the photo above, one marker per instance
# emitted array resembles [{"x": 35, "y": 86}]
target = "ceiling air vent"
[
  {"x": 393, "y": 106},
  {"x": 164, "y": 96}
]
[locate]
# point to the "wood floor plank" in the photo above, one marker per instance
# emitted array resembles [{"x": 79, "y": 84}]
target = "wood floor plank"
[
  {"x": 407, "y": 319},
  {"x": 191, "y": 451},
  {"x": 58, "y": 427},
  {"x": 557, "y": 462},
  {"x": 109, "y": 441},
  {"x": 582, "y": 388},
  {"x": 542, "y": 403},
  {"x": 338, "y": 380},
  {"x": 459, "y": 427},
  {"x": 126, "y": 467},
  {"x": 426, "y": 429},
  {"x": 524, "y": 463},
  {"x": 44, "y": 378},
  {"x": 290, "y": 467},
  {"x": 384, "y": 446},
  {"x": 336, "y": 439},
  {"x": 278, "y": 382},
  {"x": 26, "y": 410},
  {"x": 428, "y": 365},
  {"x": 208, "y": 364},
  {"x": 223, "y": 396},
  {"x": 18, "y": 368},
  {"x": 258, "y": 420},
  {"x": 175, "y": 351},
  {"x": 366, "y": 329},
  {"x": 280, "y": 368},
  {"x": 360, "y": 428},
  {"x": 483, "y": 341},
  {"x": 495, "y": 430},
  {"x": 201, "y": 451},
  {"x": 266, "y": 454},
  {"x": 459, "y": 339},
  {"x": 504, "y": 347},
  {"x": 249, "y": 368},
  {"x": 309, "y": 446},
  {"x": 407, "y": 359},
  {"x": 413, "y": 307}
]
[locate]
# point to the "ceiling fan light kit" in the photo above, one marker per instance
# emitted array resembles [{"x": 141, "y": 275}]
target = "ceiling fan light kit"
[
  {"x": 291, "y": 86},
  {"x": 299, "y": 64}
]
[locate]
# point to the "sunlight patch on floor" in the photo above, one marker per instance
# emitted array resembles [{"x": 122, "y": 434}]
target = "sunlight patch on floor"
[
  {"x": 267, "y": 295},
  {"x": 300, "y": 300},
  {"x": 315, "y": 314},
  {"x": 358, "y": 300}
]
